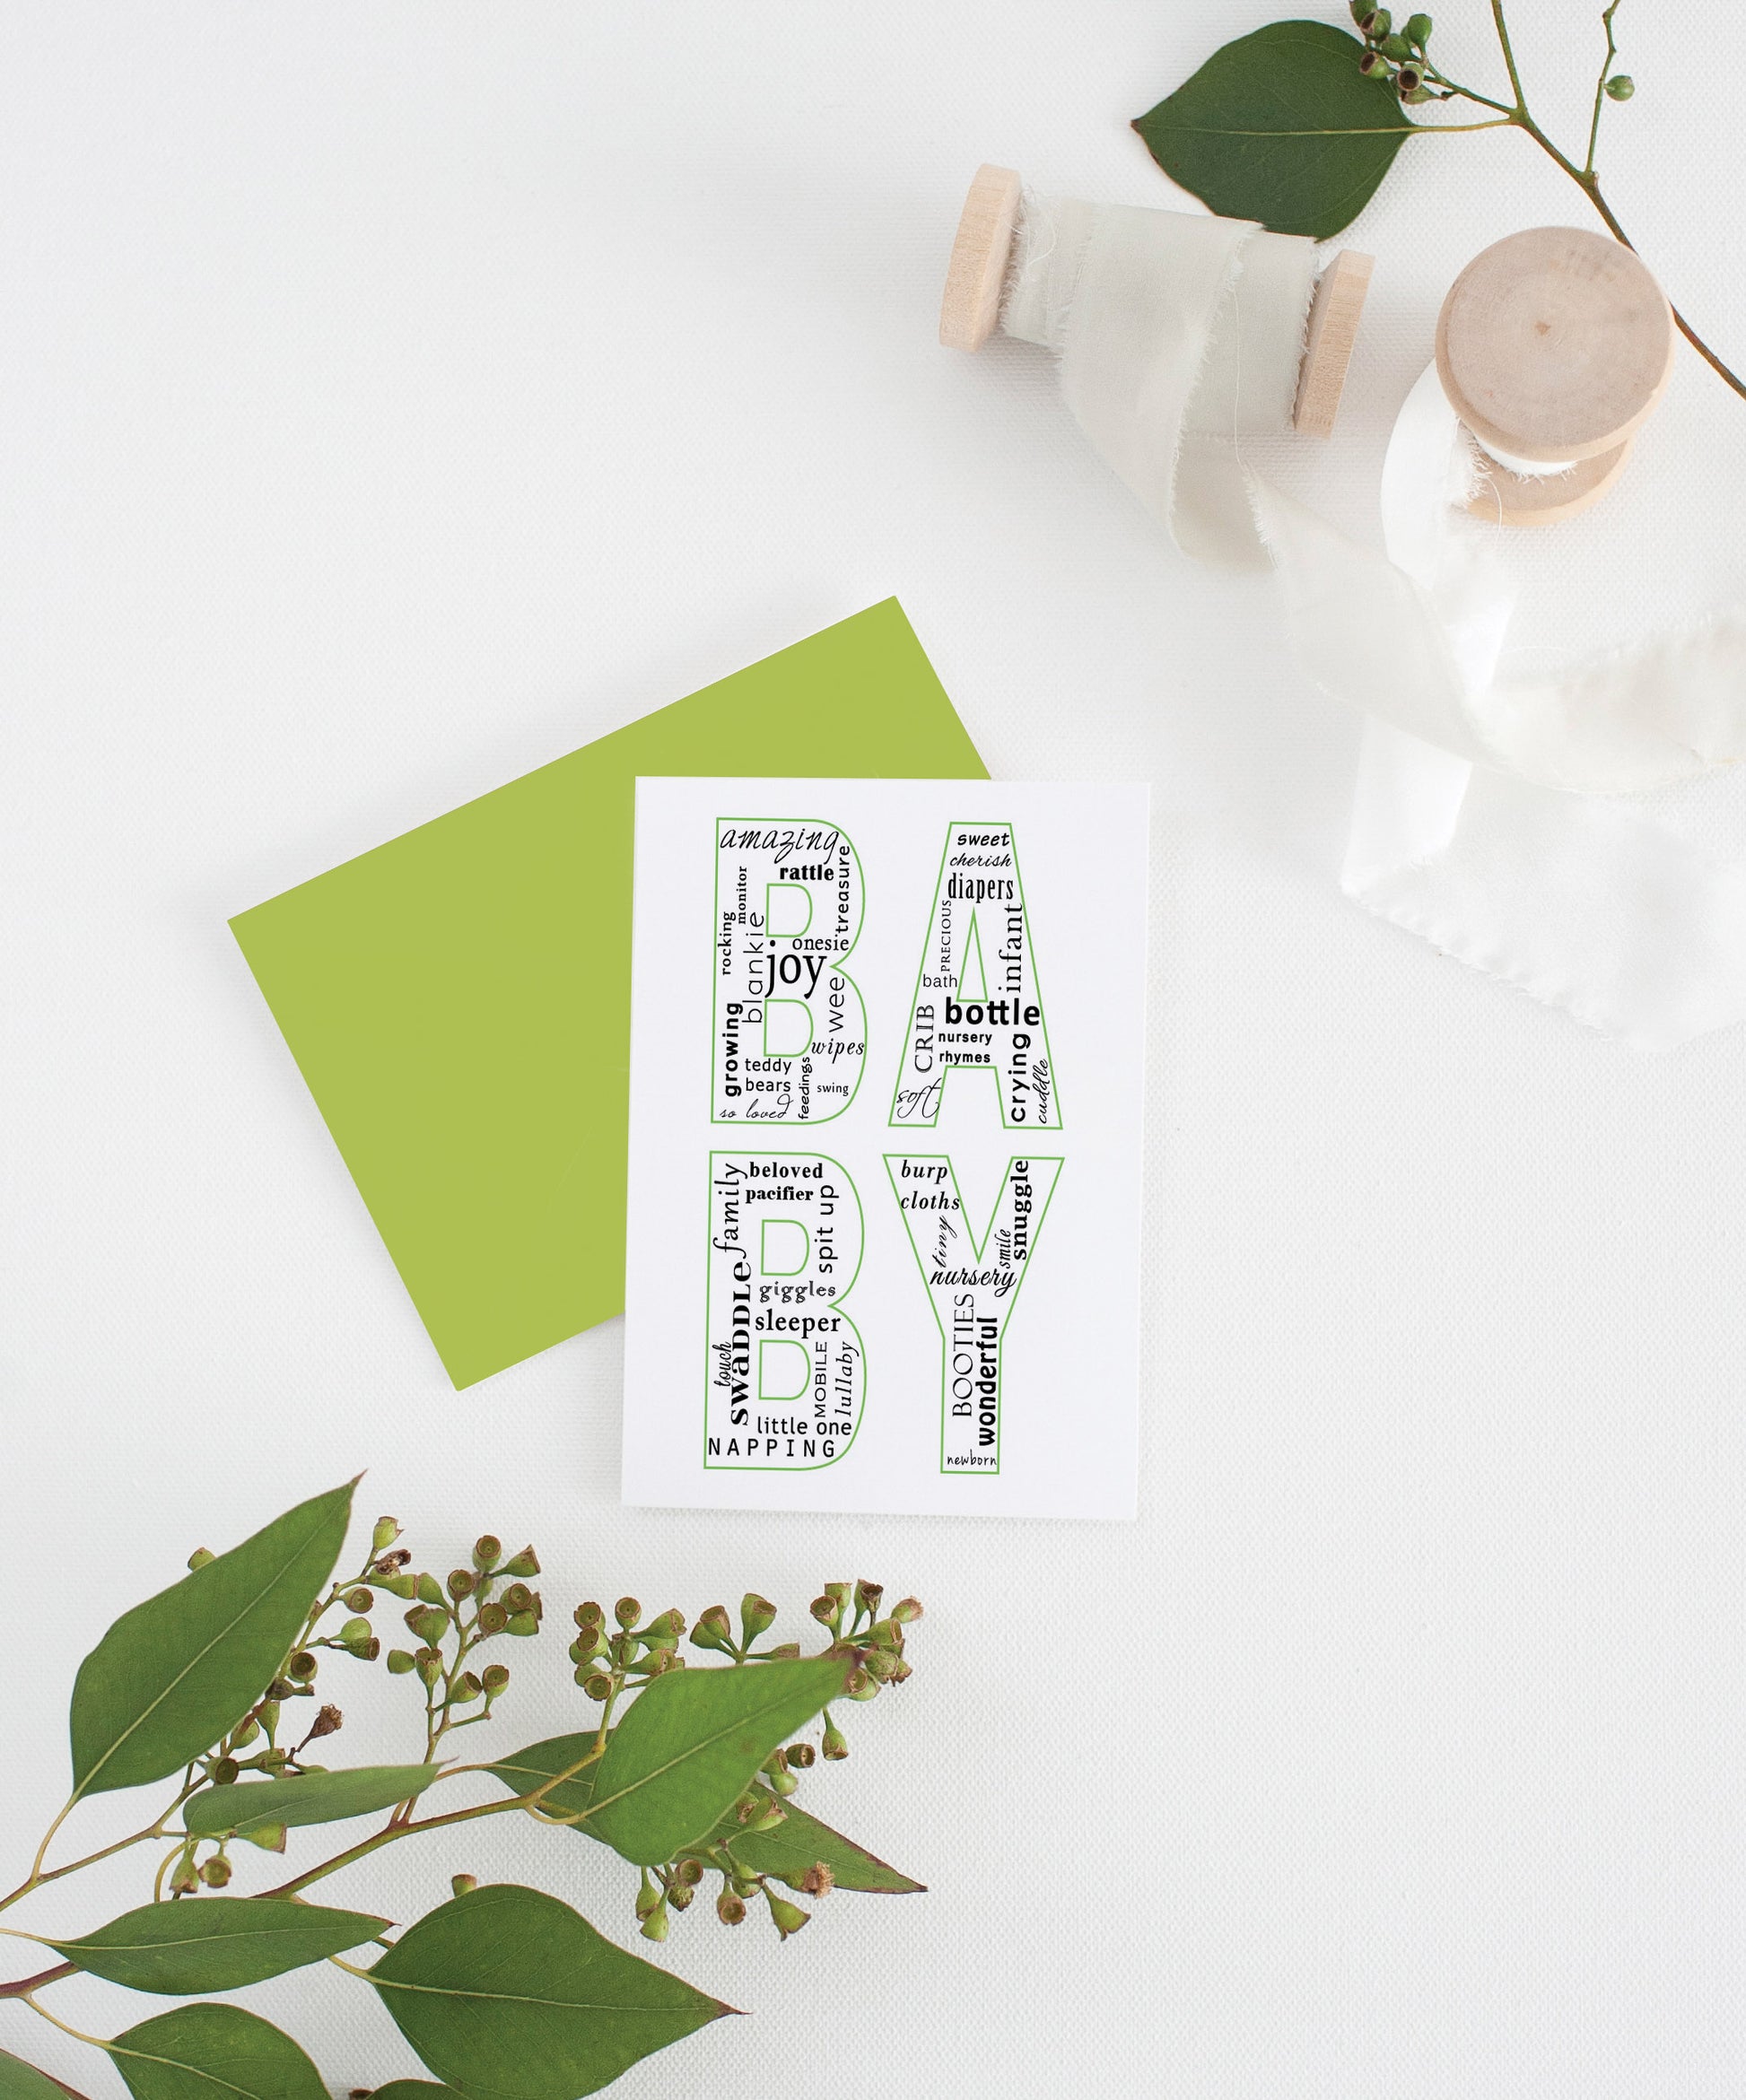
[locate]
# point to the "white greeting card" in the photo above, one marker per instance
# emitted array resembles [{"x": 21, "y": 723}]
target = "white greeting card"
[{"x": 886, "y": 1074}]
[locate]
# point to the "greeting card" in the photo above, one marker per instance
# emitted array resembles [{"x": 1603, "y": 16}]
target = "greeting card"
[
  {"x": 459, "y": 999},
  {"x": 886, "y": 1079}
]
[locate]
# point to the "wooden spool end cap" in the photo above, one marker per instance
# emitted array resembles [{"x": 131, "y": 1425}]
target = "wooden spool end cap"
[
  {"x": 1555, "y": 345},
  {"x": 970, "y": 309},
  {"x": 1328, "y": 342},
  {"x": 1504, "y": 498}
]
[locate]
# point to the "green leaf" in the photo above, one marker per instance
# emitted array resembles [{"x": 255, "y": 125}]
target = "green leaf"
[
  {"x": 508, "y": 1994},
  {"x": 788, "y": 1852},
  {"x": 411, "y": 2089},
  {"x": 690, "y": 1746},
  {"x": 1281, "y": 127},
  {"x": 799, "y": 1842},
  {"x": 315, "y": 1797},
  {"x": 170, "y": 1676},
  {"x": 213, "y": 2052},
  {"x": 20, "y": 2080},
  {"x": 214, "y": 1942}
]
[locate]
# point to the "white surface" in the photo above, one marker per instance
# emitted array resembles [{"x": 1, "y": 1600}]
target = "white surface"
[
  {"x": 1064, "y": 1433},
  {"x": 395, "y": 396}
]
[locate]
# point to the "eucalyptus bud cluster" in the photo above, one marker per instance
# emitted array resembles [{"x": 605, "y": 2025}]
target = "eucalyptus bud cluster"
[{"x": 1397, "y": 57}]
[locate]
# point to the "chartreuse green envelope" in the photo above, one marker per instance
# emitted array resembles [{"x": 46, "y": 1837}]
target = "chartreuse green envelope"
[{"x": 459, "y": 1000}]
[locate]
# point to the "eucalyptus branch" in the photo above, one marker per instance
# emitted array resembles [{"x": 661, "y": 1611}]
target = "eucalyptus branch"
[
  {"x": 705, "y": 1763},
  {"x": 1402, "y": 58}
]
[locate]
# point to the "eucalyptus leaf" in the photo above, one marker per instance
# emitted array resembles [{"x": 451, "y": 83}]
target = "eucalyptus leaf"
[
  {"x": 508, "y": 1994},
  {"x": 315, "y": 1797},
  {"x": 172, "y": 1675},
  {"x": 799, "y": 1842},
  {"x": 213, "y": 2052},
  {"x": 214, "y": 1943},
  {"x": 691, "y": 1744},
  {"x": 1281, "y": 127},
  {"x": 787, "y": 1852},
  {"x": 20, "y": 2080},
  {"x": 411, "y": 2089}
]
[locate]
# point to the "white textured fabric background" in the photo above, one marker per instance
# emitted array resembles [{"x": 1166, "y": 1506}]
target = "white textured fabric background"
[{"x": 394, "y": 396}]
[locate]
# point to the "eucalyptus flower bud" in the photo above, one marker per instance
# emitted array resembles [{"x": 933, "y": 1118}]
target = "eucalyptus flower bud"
[
  {"x": 463, "y": 1884},
  {"x": 526, "y": 1563},
  {"x": 360, "y": 1599},
  {"x": 430, "y": 1665},
  {"x": 522, "y": 1624},
  {"x": 280, "y": 1688},
  {"x": 429, "y": 1622},
  {"x": 589, "y": 1614},
  {"x": 366, "y": 1650},
  {"x": 268, "y": 1711},
  {"x": 654, "y": 1926},
  {"x": 784, "y": 1782},
  {"x": 647, "y": 1896},
  {"x": 468, "y": 1689},
  {"x": 800, "y": 1755},
  {"x": 840, "y": 1590},
  {"x": 665, "y": 1630},
  {"x": 817, "y": 1879},
  {"x": 397, "y": 1585},
  {"x": 880, "y": 1665},
  {"x": 1372, "y": 63},
  {"x": 494, "y": 1678},
  {"x": 868, "y": 1596},
  {"x": 200, "y": 1558},
  {"x": 1416, "y": 95},
  {"x": 1409, "y": 80},
  {"x": 713, "y": 1629},
  {"x": 774, "y": 1814},
  {"x": 354, "y": 1630},
  {"x": 1419, "y": 30},
  {"x": 493, "y": 1618},
  {"x": 1621, "y": 87},
  {"x": 598, "y": 1687},
  {"x": 1377, "y": 23},
  {"x": 225, "y": 1772},
  {"x": 788, "y": 1652},
  {"x": 216, "y": 1871},
  {"x": 679, "y": 1899},
  {"x": 245, "y": 1731},
  {"x": 730, "y": 1908},
  {"x": 328, "y": 1722},
  {"x": 758, "y": 1615},
  {"x": 429, "y": 1590},
  {"x": 787, "y": 1917},
  {"x": 825, "y": 1611},
  {"x": 688, "y": 1873},
  {"x": 269, "y": 1837},
  {"x": 907, "y": 1612},
  {"x": 627, "y": 1611},
  {"x": 462, "y": 1582},
  {"x": 487, "y": 1551},
  {"x": 301, "y": 1666},
  {"x": 835, "y": 1746},
  {"x": 399, "y": 1661},
  {"x": 386, "y": 1531},
  {"x": 186, "y": 1880}
]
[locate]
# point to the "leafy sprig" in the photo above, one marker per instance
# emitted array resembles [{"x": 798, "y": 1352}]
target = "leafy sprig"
[
  {"x": 682, "y": 1772},
  {"x": 1297, "y": 124}
]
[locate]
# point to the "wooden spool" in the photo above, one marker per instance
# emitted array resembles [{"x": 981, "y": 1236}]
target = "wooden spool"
[
  {"x": 1553, "y": 346},
  {"x": 976, "y": 275}
]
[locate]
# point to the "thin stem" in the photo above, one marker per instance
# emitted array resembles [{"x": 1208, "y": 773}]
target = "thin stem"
[
  {"x": 36, "y": 1874},
  {"x": 40, "y": 1880},
  {"x": 24, "y": 1986},
  {"x": 529, "y": 1800},
  {"x": 1600, "y": 85},
  {"x": 1509, "y": 55},
  {"x": 78, "y": 2033}
]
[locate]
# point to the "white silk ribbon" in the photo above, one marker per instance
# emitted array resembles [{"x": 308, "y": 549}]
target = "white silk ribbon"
[{"x": 1514, "y": 824}]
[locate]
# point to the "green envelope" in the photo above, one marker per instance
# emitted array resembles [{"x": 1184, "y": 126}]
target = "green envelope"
[{"x": 460, "y": 999}]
